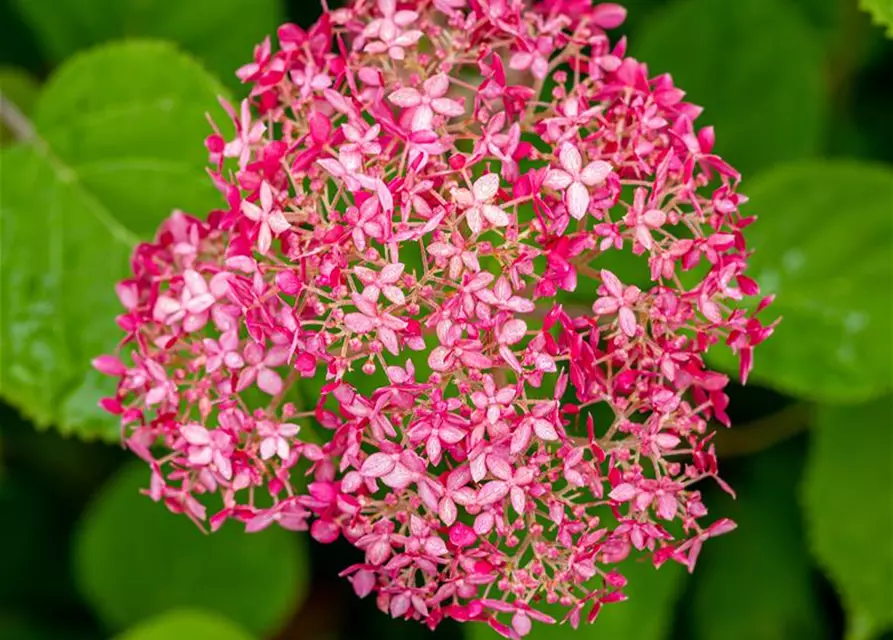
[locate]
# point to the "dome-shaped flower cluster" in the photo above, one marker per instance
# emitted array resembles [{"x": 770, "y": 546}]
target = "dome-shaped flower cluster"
[{"x": 415, "y": 325}]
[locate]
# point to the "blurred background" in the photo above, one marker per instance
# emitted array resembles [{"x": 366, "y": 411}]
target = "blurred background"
[{"x": 801, "y": 95}]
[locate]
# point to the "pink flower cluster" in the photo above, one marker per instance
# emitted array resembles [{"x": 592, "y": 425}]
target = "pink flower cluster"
[{"x": 407, "y": 327}]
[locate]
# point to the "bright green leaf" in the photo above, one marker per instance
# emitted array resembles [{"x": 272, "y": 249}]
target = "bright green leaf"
[
  {"x": 118, "y": 146},
  {"x": 848, "y": 503},
  {"x": 755, "y": 66},
  {"x": 646, "y": 615},
  {"x": 756, "y": 582},
  {"x": 824, "y": 245},
  {"x": 881, "y": 12},
  {"x": 222, "y": 33},
  {"x": 186, "y": 623},
  {"x": 20, "y": 88},
  {"x": 134, "y": 559}
]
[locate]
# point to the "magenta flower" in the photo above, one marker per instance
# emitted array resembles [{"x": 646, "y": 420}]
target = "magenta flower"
[{"x": 431, "y": 213}]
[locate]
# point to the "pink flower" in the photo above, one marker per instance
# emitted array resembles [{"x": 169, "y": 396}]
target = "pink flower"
[
  {"x": 617, "y": 299},
  {"x": 391, "y": 38},
  {"x": 427, "y": 102},
  {"x": 259, "y": 368},
  {"x": 349, "y": 167},
  {"x": 269, "y": 218},
  {"x": 275, "y": 438},
  {"x": 382, "y": 282},
  {"x": 453, "y": 350},
  {"x": 371, "y": 318},
  {"x": 477, "y": 203},
  {"x": 193, "y": 305},
  {"x": 363, "y": 142},
  {"x": 431, "y": 212},
  {"x": 573, "y": 178},
  {"x": 209, "y": 448},
  {"x": 534, "y": 56},
  {"x": 249, "y": 133}
]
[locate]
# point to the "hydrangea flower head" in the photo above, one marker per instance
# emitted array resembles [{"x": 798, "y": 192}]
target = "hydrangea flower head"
[{"x": 413, "y": 324}]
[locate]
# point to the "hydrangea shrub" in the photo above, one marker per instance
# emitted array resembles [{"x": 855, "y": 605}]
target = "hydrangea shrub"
[{"x": 427, "y": 200}]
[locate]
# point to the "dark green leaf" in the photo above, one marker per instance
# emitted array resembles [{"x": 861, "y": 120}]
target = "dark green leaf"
[
  {"x": 755, "y": 66},
  {"x": 111, "y": 158},
  {"x": 134, "y": 559},
  {"x": 824, "y": 245},
  {"x": 756, "y": 582},
  {"x": 186, "y": 623},
  {"x": 848, "y": 502},
  {"x": 222, "y": 33}
]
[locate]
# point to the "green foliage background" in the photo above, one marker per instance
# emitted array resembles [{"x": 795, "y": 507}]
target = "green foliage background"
[{"x": 113, "y": 94}]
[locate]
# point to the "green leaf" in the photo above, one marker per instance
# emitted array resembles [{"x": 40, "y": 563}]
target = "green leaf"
[
  {"x": 756, "y": 582},
  {"x": 20, "y": 88},
  {"x": 186, "y": 623},
  {"x": 134, "y": 559},
  {"x": 881, "y": 12},
  {"x": 756, "y": 68},
  {"x": 118, "y": 146},
  {"x": 848, "y": 504},
  {"x": 222, "y": 33},
  {"x": 824, "y": 245},
  {"x": 646, "y": 615}
]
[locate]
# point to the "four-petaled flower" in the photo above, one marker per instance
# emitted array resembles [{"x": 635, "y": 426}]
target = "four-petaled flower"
[
  {"x": 617, "y": 299},
  {"x": 382, "y": 282},
  {"x": 427, "y": 102},
  {"x": 477, "y": 203},
  {"x": 372, "y": 318},
  {"x": 269, "y": 218},
  {"x": 388, "y": 32},
  {"x": 209, "y": 448},
  {"x": 275, "y": 438},
  {"x": 573, "y": 178}
]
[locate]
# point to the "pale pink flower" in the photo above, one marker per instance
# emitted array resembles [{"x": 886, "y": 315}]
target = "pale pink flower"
[
  {"x": 382, "y": 282},
  {"x": 249, "y": 132},
  {"x": 427, "y": 102},
  {"x": 371, "y": 318},
  {"x": 275, "y": 438},
  {"x": 574, "y": 179},
  {"x": 387, "y": 33},
  {"x": 477, "y": 203},
  {"x": 209, "y": 448},
  {"x": 269, "y": 218},
  {"x": 617, "y": 299}
]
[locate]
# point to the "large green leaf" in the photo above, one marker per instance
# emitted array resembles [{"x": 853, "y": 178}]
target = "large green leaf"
[
  {"x": 221, "y": 33},
  {"x": 756, "y": 582},
  {"x": 118, "y": 145},
  {"x": 881, "y": 11},
  {"x": 646, "y": 615},
  {"x": 756, "y": 67},
  {"x": 848, "y": 502},
  {"x": 824, "y": 245},
  {"x": 186, "y": 623},
  {"x": 134, "y": 559}
]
